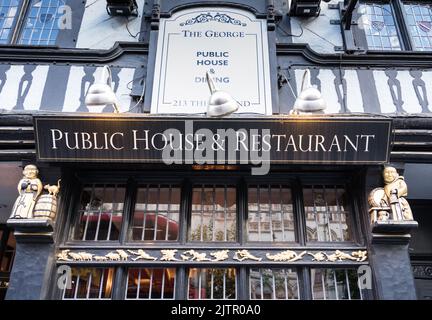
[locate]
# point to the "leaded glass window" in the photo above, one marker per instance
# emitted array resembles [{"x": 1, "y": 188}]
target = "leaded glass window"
[
  {"x": 214, "y": 210},
  {"x": 419, "y": 23},
  {"x": 151, "y": 283},
  {"x": 275, "y": 284},
  {"x": 90, "y": 283},
  {"x": 204, "y": 283},
  {"x": 43, "y": 22},
  {"x": 8, "y": 13},
  {"x": 377, "y": 20},
  {"x": 100, "y": 212},
  {"x": 270, "y": 213},
  {"x": 156, "y": 215},
  {"x": 326, "y": 213},
  {"x": 335, "y": 284}
]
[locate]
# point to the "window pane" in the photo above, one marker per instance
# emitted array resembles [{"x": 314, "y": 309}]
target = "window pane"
[
  {"x": 335, "y": 284},
  {"x": 156, "y": 215},
  {"x": 326, "y": 213},
  {"x": 378, "y": 23},
  {"x": 90, "y": 283},
  {"x": 273, "y": 284},
  {"x": 212, "y": 284},
  {"x": 213, "y": 213},
  {"x": 9, "y": 252},
  {"x": 101, "y": 213},
  {"x": 151, "y": 283},
  {"x": 419, "y": 17},
  {"x": 43, "y": 22},
  {"x": 8, "y": 12},
  {"x": 270, "y": 213}
]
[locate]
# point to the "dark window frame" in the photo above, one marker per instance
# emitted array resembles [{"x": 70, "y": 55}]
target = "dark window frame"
[
  {"x": 67, "y": 38},
  {"x": 186, "y": 181},
  {"x": 401, "y": 22}
]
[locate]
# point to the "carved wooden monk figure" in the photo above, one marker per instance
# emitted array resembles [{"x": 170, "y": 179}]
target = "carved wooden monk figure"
[
  {"x": 29, "y": 189},
  {"x": 395, "y": 191}
]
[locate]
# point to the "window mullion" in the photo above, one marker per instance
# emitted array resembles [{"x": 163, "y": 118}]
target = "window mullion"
[
  {"x": 299, "y": 213},
  {"x": 20, "y": 21},
  {"x": 401, "y": 21},
  {"x": 128, "y": 210}
]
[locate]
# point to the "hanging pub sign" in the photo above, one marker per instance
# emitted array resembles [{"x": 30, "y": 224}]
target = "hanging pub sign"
[
  {"x": 230, "y": 44},
  {"x": 212, "y": 141}
]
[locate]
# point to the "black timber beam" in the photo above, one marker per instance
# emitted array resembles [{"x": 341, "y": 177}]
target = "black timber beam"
[
  {"x": 50, "y": 54},
  {"x": 382, "y": 59}
]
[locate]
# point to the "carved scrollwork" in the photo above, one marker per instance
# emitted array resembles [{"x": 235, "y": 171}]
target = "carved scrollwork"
[
  {"x": 357, "y": 256},
  {"x": 208, "y": 17},
  {"x": 169, "y": 255},
  {"x": 141, "y": 255},
  {"x": 220, "y": 255},
  {"x": 242, "y": 255},
  {"x": 286, "y": 256},
  {"x": 192, "y": 255}
]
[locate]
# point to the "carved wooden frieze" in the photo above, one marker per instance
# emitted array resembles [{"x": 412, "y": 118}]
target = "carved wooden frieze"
[{"x": 209, "y": 256}]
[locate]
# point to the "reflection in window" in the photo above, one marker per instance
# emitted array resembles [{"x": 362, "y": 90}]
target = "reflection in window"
[
  {"x": 100, "y": 213},
  {"x": 9, "y": 251},
  {"x": 90, "y": 283},
  {"x": 270, "y": 214},
  {"x": 378, "y": 22},
  {"x": 151, "y": 283},
  {"x": 419, "y": 20},
  {"x": 213, "y": 213},
  {"x": 335, "y": 284},
  {"x": 43, "y": 22},
  {"x": 212, "y": 284},
  {"x": 273, "y": 284},
  {"x": 8, "y": 11},
  {"x": 326, "y": 212},
  {"x": 156, "y": 215}
]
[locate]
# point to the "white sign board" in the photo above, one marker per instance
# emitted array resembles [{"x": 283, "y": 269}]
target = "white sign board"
[{"x": 231, "y": 44}]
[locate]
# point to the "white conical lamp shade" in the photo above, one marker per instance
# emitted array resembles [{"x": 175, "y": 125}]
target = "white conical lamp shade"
[
  {"x": 101, "y": 94},
  {"x": 220, "y": 103},
  {"x": 310, "y": 98}
]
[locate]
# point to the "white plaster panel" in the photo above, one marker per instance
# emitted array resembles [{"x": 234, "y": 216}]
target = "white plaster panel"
[
  {"x": 409, "y": 97},
  {"x": 321, "y": 36},
  {"x": 33, "y": 100},
  {"x": 100, "y": 30},
  {"x": 9, "y": 94},
  {"x": 384, "y": 95},
  {"x": 298, "y": 79},
  {"x": 124, "y": 89},
  {"x": 73, "y": 92},
  {"x": 328, "y": 91},
  {"x": 354, "y": 96},
  {"x": 427, "y": 78}
]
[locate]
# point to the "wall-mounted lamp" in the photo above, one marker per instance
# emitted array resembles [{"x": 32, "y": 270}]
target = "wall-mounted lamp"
[
  {"x": 220, "y": 103},
  {"x": 122, "y": 7},
  {"x": 101, "y": 93},
  {"x": 306, "y": 8},
  {"x": 310, "y": 99}
]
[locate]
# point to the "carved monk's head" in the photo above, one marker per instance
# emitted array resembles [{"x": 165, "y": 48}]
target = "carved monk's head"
[
  {"x": 30, "y": 171},
  {"x": 390, "y": 174}
]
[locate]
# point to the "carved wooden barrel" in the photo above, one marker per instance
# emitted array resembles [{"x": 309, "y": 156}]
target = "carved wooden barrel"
[
  {"x": 46, "y": 207},
  {"x": 375, "y": 197}
]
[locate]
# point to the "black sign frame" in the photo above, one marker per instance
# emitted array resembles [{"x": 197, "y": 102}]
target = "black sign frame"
[{"x": 380, "y": 127}]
